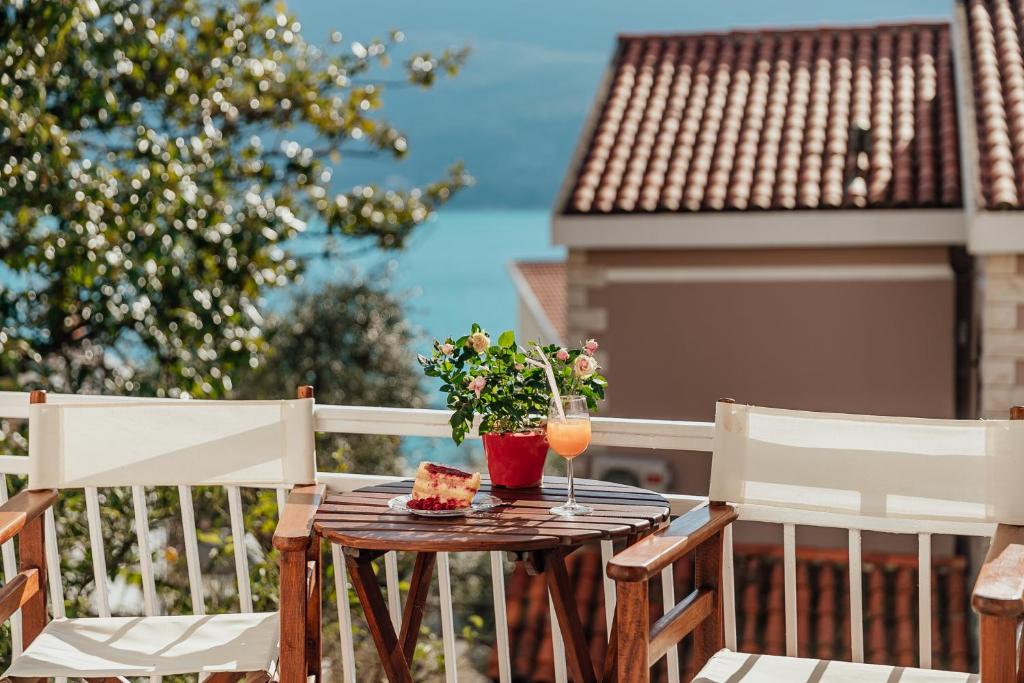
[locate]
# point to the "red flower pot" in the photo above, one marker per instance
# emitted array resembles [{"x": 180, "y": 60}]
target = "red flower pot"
[{"x": 516, "y": 460}]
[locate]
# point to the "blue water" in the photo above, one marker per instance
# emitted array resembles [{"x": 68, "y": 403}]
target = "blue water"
[
  {"x": 452, "y": 273},
  {"x": 454, "y": 270}
]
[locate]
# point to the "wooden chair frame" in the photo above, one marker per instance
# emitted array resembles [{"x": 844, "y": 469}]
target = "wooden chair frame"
[
  {"x": 998, "y": 596},
  {"x": 301, "y": 575}
]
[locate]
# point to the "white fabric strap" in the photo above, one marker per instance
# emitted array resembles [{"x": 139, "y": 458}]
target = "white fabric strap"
[
  {"x": 963, "y": 470},
  {"x": 168, "y": 443}
]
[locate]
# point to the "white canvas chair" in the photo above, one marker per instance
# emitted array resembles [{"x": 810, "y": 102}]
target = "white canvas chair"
[
  {"x": 82, "y": 443},
  {"x": 855, "y": 472}
]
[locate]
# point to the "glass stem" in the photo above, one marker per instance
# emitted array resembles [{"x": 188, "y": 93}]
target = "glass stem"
[{"x": 572, "y": 489}]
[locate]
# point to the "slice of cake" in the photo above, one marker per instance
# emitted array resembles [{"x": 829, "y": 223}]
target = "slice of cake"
[{"x": 443, "y": 488}]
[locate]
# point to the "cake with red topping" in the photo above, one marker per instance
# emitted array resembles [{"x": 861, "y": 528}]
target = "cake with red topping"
[{"x": 438, "y": 487}]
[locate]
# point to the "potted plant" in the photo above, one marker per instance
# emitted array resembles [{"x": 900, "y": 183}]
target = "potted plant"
[{"x": 507, "y": 388}]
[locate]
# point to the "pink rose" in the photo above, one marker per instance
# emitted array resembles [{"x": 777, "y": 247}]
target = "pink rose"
[
  {"x": 447, "y": 349},
  {"x": 477, "y": 384},
  {"x": 478, "y": 341},
  {"x": 591, "y": 346},
  {"x": 562, "y": 355},
  {"x": 520, "y": 366},
  {"x": 584, "y": 366}
]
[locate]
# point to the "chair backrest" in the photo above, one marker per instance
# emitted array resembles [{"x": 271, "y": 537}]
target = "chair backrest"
[
  {"x": 167, "y": 443},
  {"x": 921, "y": 469}
]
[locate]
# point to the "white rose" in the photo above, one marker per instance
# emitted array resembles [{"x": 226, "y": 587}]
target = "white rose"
[
  {"x": 584, "y": 366},
  {"x": 478, "y": 341}
]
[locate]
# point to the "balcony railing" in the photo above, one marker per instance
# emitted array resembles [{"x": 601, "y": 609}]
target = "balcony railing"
[{"x": 623, "y": 433}]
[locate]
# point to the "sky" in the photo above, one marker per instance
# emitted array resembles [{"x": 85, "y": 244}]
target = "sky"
[{"x": 515, "y": 112}]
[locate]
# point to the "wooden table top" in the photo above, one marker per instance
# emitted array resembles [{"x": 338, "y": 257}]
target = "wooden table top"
[{"x": 361, "y": 519}]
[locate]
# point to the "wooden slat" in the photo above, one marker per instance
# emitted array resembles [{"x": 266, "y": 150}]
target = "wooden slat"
[
  {"x": 32, "y": 548},
  {"x": 238, "y": 540},
  {"x": 729, "y": 589},
  {"x": 668, "y": 603},
  {"x": 632, "y": 616},
  {"x": 501, "y": 638},
  {"x": 999, "y": 590},
  {"x": 856, "y": 597},
  {"x": 145, "y": 554},
  {"x": 296, "y": 524},
  {"x": 789, "y": 570},
  {"x": 10, "y": 571},
  {"x": 678, "y": 622},
  {"x": 444, "y": 584},
  {"x": 924, "y": 599},
  {"x": 18, "y": 591},
  {"x": 188, "y": 525},
  {"x": 99, "y": 560},
  {"x": 348, "y": 657},
  {"x": 998, "y": 649}
]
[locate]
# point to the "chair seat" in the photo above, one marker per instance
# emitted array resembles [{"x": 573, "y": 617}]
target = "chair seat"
[
  {"x": 732, "y": 667},
  {"x": 135, "y": 646}
]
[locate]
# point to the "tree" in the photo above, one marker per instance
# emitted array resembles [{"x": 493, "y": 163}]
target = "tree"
[
  {"x": 159, "y": 163},
  {"x": 351, "y": 342},
  {"x": 154, "y": 176}
]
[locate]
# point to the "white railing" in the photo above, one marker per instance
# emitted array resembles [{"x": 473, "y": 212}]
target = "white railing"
[{"x": 659, "y": 434}]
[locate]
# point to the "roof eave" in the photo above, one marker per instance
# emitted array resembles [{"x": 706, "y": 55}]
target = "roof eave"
[{"x": 737, "y": 230}]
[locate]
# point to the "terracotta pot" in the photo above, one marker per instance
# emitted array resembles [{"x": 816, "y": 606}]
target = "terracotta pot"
[{"x": 515, "y": 460}]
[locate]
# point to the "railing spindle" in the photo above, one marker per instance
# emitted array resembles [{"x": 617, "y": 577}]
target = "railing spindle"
[
  {"x": 394, "y": 592},
  {"x": 348, "y": 656},
  {"x": 282, "y": 497},
  {"x": 53, "y": 577},
  {"x": 444, "y": 584},
  {"x": 188, "y": 526},
  {"x": 728, "y": 589},
  {"x": 607, "y": 550},
  {"x": 238, "y": 540},
  {"x": 145, "y": 555},
  {"x": 99, "y": 560},
  {"x": 10, "y": 571},
  {"x": 924, "y": 598},
  {"x": 557, "y": 645},
  {"x": 668, "y": 601},
  {"x": 856, "y": 598},
  {"x": 789, "y": 565},
  {"x": 500, "y": 618}
]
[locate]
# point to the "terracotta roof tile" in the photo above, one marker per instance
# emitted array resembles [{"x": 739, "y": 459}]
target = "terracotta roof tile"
[
  {"x": 890, "y": 609},
  {"x": 742, "y": 120},
  {"x": 546, "y": 280},
  {"x": 994, "y": 30}
]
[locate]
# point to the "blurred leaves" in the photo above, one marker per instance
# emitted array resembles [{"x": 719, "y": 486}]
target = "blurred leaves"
[{"x": 157, "y": 161}]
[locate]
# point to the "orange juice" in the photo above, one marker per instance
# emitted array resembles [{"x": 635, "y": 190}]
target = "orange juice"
[{"x": 570, "y": 437}]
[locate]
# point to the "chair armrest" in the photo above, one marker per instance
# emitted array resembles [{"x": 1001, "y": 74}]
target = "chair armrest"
[
  {"x": 999, "y": 590},
  {"x": 22, "y": 509},
  {"x": 296, "y": 521},
  {"x": 647, "y": 557}
]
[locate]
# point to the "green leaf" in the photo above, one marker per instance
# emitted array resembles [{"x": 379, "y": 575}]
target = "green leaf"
[{"x": 507, "y": 339}]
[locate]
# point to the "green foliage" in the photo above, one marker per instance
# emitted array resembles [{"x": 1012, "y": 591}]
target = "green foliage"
[
  {"x": 505, "y": 385},
  {"x": 154, "y": 166},
  {"x": 350, "y": 341}
]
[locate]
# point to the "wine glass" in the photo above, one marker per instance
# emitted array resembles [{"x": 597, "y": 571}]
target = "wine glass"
[{"x": 569, "y": 435}]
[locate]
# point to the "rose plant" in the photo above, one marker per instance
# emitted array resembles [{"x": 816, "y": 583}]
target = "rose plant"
[{"x": 505, "y": 384}]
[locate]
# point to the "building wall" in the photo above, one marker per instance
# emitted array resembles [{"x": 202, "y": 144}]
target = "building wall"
[{"x": 1001, "y": 308}]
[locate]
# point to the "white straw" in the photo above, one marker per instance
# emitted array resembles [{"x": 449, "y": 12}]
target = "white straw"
[{"x": 551, "y": 380}]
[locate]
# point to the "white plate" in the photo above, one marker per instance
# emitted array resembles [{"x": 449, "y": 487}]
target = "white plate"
[{"x": 482, "y": 502}]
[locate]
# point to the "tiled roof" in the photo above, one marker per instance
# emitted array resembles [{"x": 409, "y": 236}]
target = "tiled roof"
[
  {"x": 890, "y": 609},
  {"x": 994, "y": 32},
  {"x": 774, "y": 119},
  {"x": 546, "y": 279}
]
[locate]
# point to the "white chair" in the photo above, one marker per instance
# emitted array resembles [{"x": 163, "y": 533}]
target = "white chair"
[
  {"x": 76, "y": 442},
  {"x": 855, "y": 472}
]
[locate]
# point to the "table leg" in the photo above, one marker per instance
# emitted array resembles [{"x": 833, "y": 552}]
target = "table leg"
[
  {"x": 415, "y": 602},
  {"x": 378, "y": 620},
  {"x": 577, "y": 650}
]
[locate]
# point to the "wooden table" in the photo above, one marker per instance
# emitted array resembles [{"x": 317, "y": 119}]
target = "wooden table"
[{"x": 365, "y": 527}]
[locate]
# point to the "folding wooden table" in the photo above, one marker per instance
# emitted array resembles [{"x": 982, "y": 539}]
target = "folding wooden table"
[{"x": 366, "y": 528}]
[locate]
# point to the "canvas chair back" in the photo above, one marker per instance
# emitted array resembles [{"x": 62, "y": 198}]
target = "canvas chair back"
[
  {"x": 167, "y": 443},
  {"x": 879, "y": 467}
]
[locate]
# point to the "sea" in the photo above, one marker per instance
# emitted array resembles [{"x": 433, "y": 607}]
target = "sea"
[{"x": 452, "y": 272}]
